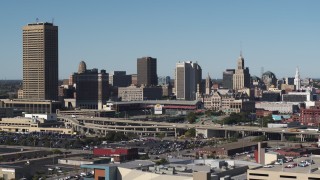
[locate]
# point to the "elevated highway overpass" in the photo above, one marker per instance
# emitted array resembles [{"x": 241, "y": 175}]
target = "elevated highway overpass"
[{"x": 103, "y": 125}]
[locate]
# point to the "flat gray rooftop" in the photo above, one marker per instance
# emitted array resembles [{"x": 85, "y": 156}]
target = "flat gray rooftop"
[{"x": 297, "y": 169}]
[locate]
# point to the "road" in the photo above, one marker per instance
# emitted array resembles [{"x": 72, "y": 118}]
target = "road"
[{"x": 112, "y": 125}]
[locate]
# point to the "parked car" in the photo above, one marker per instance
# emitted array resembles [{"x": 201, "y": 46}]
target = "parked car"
[
  {"x": 268, "y": 166},
  {"x": 302, "y": 164},
  {"x": 289, "y": 166}
]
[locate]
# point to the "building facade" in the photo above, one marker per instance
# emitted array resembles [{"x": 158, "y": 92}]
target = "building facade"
[
  {"x": 119, "y": 79},
  {"x": 134, "y": 93},
  {"x": 310, "y": 117},
  {"x": 297, "y": 96},
  {"x": 40, "y": 61},
  {"x": 208, "y": 85},
  {"x": 269, "y": 79},
  {"x": 147, "y": 71},
  {"x": 241, "y": 77},
  {"x": 164, "y": 80},
  {"x": 31, "y": 106},
  {"x": 91, "y": 87},
  {"x": 188, "y": 76},
  {"x": 228, "y": 78},
  {"x": 297, "y": 80},
  {"x": 281, "y": 107}
]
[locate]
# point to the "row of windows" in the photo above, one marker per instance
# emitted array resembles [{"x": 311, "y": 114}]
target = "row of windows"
[{"x": 281, "y": 176}]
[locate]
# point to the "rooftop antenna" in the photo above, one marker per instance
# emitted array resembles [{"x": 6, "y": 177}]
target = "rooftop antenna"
[
  {"x": 37, "y": 20},
  {"x": 240, "y": 48}
]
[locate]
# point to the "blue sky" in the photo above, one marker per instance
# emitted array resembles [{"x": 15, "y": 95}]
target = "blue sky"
[{"x": 276, "y": 35}]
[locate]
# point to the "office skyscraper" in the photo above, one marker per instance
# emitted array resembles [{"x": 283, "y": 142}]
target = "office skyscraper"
[
  {"x": 297, "y": 80},
  {"x": 40, "y": 61},
  {"x": 91, "y": 87},
  {"x": 228, "y": 78},
  {"x": 188, "y": 76},
  {"x": 208, "y": 84},
  {"x": 147, "y": 71},
  {"x": 241, "y": 77}
]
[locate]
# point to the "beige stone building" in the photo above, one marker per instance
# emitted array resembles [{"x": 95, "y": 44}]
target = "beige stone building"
[
  {"x": 31, "y": 106},
  {"x": 227, "y": 103},
  {"x": 40, "y": 61},
  {"x": 27, "y": 125},
  {"x": 134, "y": 93},
  {"x": 241, "y": 77}
]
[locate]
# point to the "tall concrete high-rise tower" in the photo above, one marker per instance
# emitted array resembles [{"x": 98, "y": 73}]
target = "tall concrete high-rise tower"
[
  {"x": 297, "y": 80},
  {"x": 208, "y": 84},
  {"x": 188, "y": 76},
  {"x": 40, "y": 61},
  {"x": 147, "y": 71}
]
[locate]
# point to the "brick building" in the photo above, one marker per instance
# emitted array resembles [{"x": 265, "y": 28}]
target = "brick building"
[
  {"x": 310, "y": 117},
  {"x": 119, "y": 154}
]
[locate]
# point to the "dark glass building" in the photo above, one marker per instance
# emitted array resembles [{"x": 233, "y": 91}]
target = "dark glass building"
[
  {"x": 147, "y": 71},
  {"x": 228, "y": 78}
]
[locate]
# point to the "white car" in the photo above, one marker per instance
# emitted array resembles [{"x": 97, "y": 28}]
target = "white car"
[
  {"x": 268, "y": 166},
  {"x": 278, "y": 163}
]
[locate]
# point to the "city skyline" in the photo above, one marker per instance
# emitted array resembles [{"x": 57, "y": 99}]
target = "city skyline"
[{"x": 278, "y": 36}]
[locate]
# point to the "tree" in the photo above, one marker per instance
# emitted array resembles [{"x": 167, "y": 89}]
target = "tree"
[
  {"x": 294, "y": 139},
  {"x": 119, "y": 136},
  {"x": 56, "y": 151},
  {"x": 191, "y": 117},
  {"x": 266, "y": 120},
  {"x": 208, "y": 113},
  {"x": 161, "y": 135},
  {"x": 131, "y": 135},
  {"x": 144, "y": 157},
  {"x": 200, "y": 135},
  {"x": 236, "y": 118},
  {"x": 190, "y": 133},
  {"x": 259, "y": 138},
  {"x": 161, "y": 161}
]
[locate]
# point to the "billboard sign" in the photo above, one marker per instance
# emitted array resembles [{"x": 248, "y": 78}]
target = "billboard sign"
[{"x": 158, "y": 109}]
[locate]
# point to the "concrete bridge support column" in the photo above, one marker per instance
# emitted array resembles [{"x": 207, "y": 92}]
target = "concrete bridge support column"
[
  {"x": 175, "y": 133},
  {"x": 242, "y": 134},
  {"x": 302, "y": 138},
  {"x": 282, "y": 137},
  {"x": 226, "y": 134}
]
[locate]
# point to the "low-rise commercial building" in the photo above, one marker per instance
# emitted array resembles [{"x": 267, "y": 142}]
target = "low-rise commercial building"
[
  {"x": 28, "y": 125},
  {"x": 298, "y": 96},
  {"x": 310, "y": 117},
  {"x": 176, "y": 169},
  {"x": 230, "y": 149},
  {"x": 134, "y": 93},
  {"x": 31, "y": 106},
  {"x": 281, "y": 107},
  {"x": 118, "y": 154}
]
